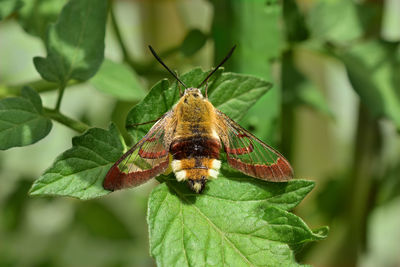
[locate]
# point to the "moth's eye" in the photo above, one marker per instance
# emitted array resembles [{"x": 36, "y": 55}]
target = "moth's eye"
[{"x": 195, "y": 95}]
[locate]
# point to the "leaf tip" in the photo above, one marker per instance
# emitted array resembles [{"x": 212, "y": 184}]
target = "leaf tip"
[{"x": 321, "y": 233}]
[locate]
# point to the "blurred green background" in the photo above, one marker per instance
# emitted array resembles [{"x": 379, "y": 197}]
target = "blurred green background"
[{"x": 334, "y": 112}]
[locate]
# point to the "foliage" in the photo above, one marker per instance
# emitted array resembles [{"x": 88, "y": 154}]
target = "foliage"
[
  {"x": 22, "y": 121},
  {"x": 9, "y": 6},
  {"x": 314, "y": 55},
  {"x": 235, "y": 222},
  {"x": 377, "y": 90},
  {"x": 79, "y": 171},
  {"x": 75, "y": 43},
  {"x": 254, "y": 205},
  {"x": 119, "y": 81}
]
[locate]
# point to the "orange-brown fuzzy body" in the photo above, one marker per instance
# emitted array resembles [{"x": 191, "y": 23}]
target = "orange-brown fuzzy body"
[{"x": 195, "y": 146}]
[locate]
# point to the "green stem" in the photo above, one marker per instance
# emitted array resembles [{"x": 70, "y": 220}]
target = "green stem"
[
  {"x": 291, "y": 80},
  {"x": 60, "y": 96},
  {"x": 40, "y": 86},
  {"x": 78, "y": 126},
  {"x": 140, "y": 68},
  {"x": 361, "y": 189},
  {"x": 117, "y": 32}
]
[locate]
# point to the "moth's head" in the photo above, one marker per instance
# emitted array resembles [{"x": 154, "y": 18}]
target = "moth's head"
[{"x": 193, "y": 93}]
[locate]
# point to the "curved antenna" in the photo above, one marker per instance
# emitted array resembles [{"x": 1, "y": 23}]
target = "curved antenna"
[
  {"x": 216, "y": 68},
  {"x": 165, "y": 66}
]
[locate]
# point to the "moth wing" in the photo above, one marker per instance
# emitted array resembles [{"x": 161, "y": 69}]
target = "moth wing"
[
  {"x": 145, "y": 160},
  {"x": 250, "y": 155}
]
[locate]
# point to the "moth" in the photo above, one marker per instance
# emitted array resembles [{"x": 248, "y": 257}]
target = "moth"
[{"x": 188, "y": 138}]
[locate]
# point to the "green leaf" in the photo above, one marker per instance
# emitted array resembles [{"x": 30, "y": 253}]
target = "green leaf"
[
  {"x": 193, "y": 42},
  {"x": 325, "y": 23},
  {"x": 101, "y": 221},
  {"x": 75, "y": 44},
  {"x": 390, "y": 21},
  {"x": 118, "y": 80},
  {"x": 36, "y": 15},
  {"x": 312, "y": 97},
  {"x": 22, "y": 121},
  {"x": 232, "y": 93},
  {"x": 373, "y": 69},
  {"x": 235, "y": 94},
  {"x": 234, "y": 222},
  {"x": 15, "y": 205},
  {"x": 79, "y": 172},
  {"x": 9, "y": 6},
  {"x": 297, "y": 89}
]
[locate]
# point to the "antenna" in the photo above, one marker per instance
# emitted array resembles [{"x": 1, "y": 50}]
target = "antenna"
[
  {"x": 165, "y": 66},
  {"x": 219, "y": 65}
]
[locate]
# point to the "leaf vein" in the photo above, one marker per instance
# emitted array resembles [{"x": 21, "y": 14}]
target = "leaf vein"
[
  {"x": 183, "y": 235},
  {"x": 216, "y": 228}
]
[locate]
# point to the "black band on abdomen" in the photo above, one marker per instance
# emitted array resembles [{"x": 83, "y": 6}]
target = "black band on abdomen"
[{"x": 195, "y": 147}]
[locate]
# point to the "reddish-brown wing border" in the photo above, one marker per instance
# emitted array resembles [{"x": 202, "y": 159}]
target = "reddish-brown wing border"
[
  {"x": 257, "y": 164},
  {"x": 117, "y": 179}
]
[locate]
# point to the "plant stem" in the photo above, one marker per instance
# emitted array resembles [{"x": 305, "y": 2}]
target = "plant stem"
[
  {"x": 360, "y": 189},
  {"x": 39, "y": 86},
  {"x": 142, "y": 68},
  {"x": 78, "y": 126},
  {"x": 117, "y": 31},
  {"x": 291, "y": 80},
  {"x": 60, "y": 96}
]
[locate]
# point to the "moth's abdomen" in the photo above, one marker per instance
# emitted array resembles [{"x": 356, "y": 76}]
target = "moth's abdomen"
[{"x": 195, "y": 159}]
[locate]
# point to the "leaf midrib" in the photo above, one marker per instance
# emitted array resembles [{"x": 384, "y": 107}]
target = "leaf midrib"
[
  {"x": 67, "y": 176},
  {"x": 222, "y": 234},
  {"x": 78, "y": 44},
  {"x": 15, "y": 125}
]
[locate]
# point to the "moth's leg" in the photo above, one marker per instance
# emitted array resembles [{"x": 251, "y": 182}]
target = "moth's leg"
[
  {"x": 142, "y": 123},
  {"x": 179, "y": 87},
  {"x": 180, "y": 90},
  {"x": 206, "y": 89}
]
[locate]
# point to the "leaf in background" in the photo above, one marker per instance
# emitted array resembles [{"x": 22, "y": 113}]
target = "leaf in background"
[
  {"x": 118, "y": 80},
  {"x": 373, "y": 69},
  {"x": 383, "y": 235},
  {"x": 193, "y": 42},
  {"x": 234, "y": 222},
  {"x": 79, "y": 172},
  {"x": 332, "y": 199},
  {"x": 75, "y": 44},
  {"x": 232, "y": 93},
  {"x": 22, "y": 121},
  {"x": 390, "y": 21},
  {"x": 297, "y": 89},
  {"x": 9, "y": 6},
  {"x": 13, "y": 209},
  {"x": 101, "y": 221},
  {"x": 36, "y": 15},
  {"x": 325, "y": 23},
  {"x": 390, "y": 187},
  {"x": 255, "y": 27},
  {"x": 313, "y": 98}
]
